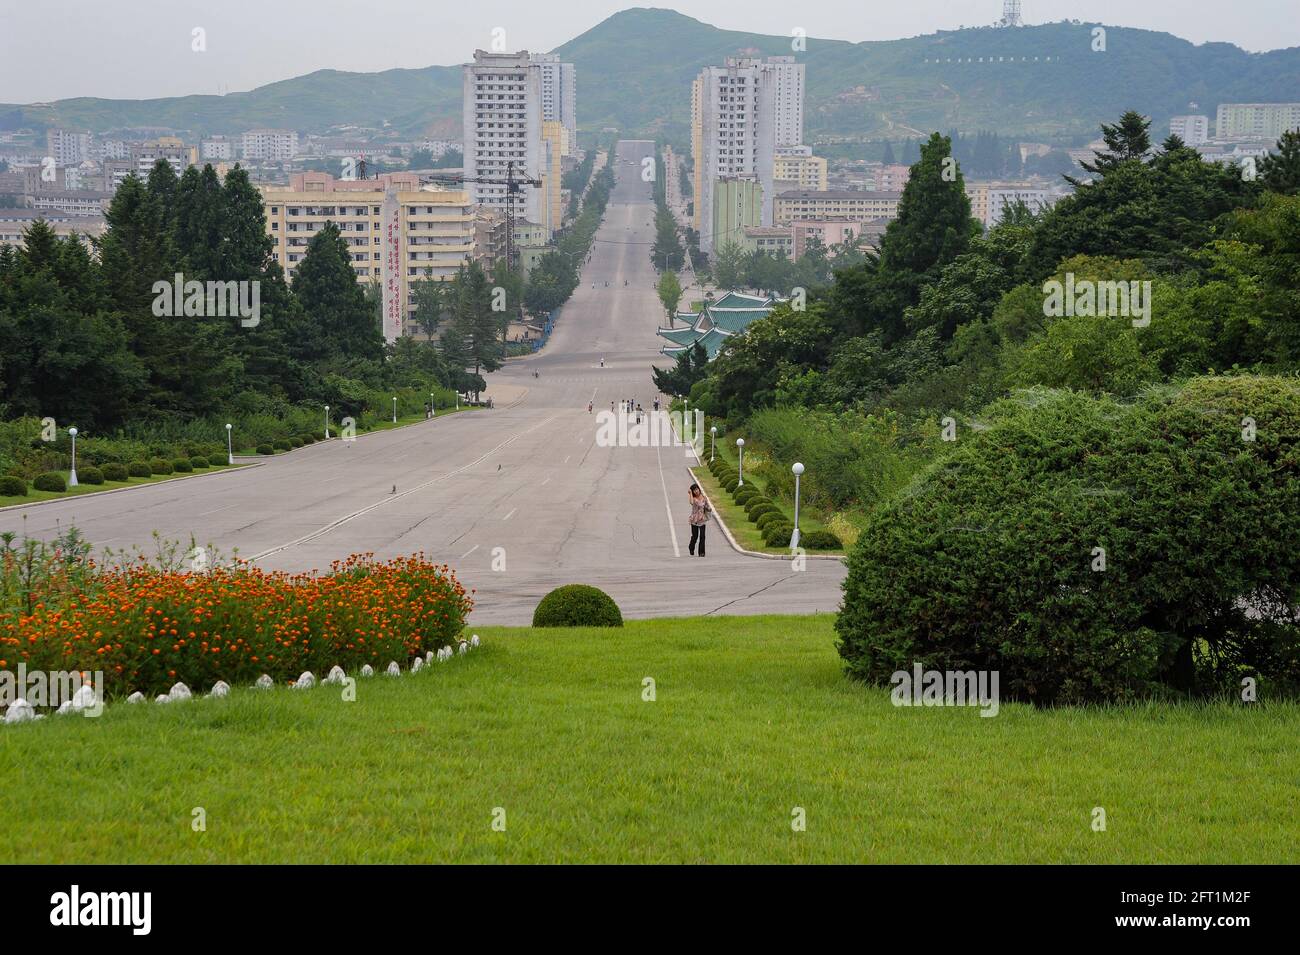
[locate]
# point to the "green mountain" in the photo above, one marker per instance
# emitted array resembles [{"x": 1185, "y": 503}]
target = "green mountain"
[{"x": 635, "y": 68}]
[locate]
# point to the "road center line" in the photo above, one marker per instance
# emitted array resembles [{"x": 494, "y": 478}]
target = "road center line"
[
  {"x": 511, "y": 514},
  {"x": 672, "y": 529},
  {"x": 468, "y": 552}
]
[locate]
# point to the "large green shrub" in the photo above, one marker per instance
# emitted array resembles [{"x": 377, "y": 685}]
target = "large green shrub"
[
  {"x": 218, "y": 460},
  {"x": 11, "y": 486},
  {"x": 115, "y": 472},
  {"x": 761, "y": 509},
  {"x": 819, "y": 540},
  {"x": 265, "y": 449},
  {"x": 160, "y": 466},
  {"x": 577, "y": 605},
  {"x": 745, "y": 494},
  {"x": 777, "y": 533},
  {"x": 1093, "y": 551},
  {"x": 182, "y": 466},
  {"x": 282, "y": 444},
  {"x": 756, "y": 503},
  {"x": 50, "y": 481},
  {"x": 770, "y": 517},
  {"x": 198, "y": 463},
  {"x": 89, "y": 474}
]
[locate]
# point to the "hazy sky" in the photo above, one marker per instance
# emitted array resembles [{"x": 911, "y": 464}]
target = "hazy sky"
[{"x": 51, "y": 49}]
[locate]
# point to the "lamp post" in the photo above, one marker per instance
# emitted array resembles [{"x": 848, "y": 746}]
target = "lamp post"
[
  {"x": 797, "y": 468},
  {"x": 327, "y": 422},
  {"x": 713, "y": 448},
  {"x": 740, "y": 451},
  {"x": 394, "y": 409},
  {"x": 432, "y": 411},
  {"x": 230, "y": 449},
  {"x": 72, "y": 475}
]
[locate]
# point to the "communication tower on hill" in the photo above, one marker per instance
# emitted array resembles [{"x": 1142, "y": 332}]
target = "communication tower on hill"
[{"x": 1010, "y": 14}]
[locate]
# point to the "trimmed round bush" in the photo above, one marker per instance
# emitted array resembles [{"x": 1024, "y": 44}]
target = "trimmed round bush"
[
  {"x": 50, "y": 481},
  {"x": 115, "y": 472},
  {"x": 11, "y": 486},
  {"x": 265, "y": 449},
  {"x": 577, "y": 605},
  {"x": 746, "y": 494},
  {"x": 141, "y": 469},
  {"x": 160, "y": 466},
  {"x": 219, "y": 460},
  {"x": 318, "y": 435},
  {"x": 198, "y": 462},
  {"x": 182, "y": 466},
  {"x": 306, "y": 438},
  {"x": 819, "y": 540},
  {"x": 730, "y": 484},
  {"x": 1093, "y": 551},
  {"x": 90, "y": 475},
  {"x": 755, "y": 503},
  {"x": 761, "y": 509},
  {"x": 296, "y": 441},
  {"x": 777, "y": 533},
  {"x": 764, "y": 519},
  {"x": 282, "y": 444}
]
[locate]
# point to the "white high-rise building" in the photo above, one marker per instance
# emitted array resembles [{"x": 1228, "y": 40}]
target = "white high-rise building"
[
  {"x": 559, "y": 92},
  {"x": 502, "y": 120},
  {"x": 1192, "y": 130},
  {"x": 67, "y": 146},
  {"x": 274, "y": 145},
  {"x": 744, "y": 111}
]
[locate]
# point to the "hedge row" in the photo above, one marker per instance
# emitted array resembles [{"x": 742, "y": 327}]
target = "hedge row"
[{"x": 765, "y": 513}]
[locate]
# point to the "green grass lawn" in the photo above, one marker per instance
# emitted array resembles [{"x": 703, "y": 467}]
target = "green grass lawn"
[
  {"x": 34, "y": 496},
  {"x": 753, "y": 717}
]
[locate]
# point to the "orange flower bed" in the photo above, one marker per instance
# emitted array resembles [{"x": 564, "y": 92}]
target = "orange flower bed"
[{"x": 146, "y": 629}]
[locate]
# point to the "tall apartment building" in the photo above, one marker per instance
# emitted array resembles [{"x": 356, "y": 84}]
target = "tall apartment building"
[
  {"x": 737, "y": 111},
  {"x": 144, "y": 155},
  {"x": 271, "y": 145},
  {"x": 801, "y": 171},
  {"x": 67, "y": 146},
  {"x": 397, "y": 231},
  {"x": 1266, "y": 121},
  {"x": 502, "y": 123},
  {"x": 217, "y": 149},
  {"x": 1192, "y": 130},
  {"x": 559, "y": 95},
  {"x": 697, "y": 154}
]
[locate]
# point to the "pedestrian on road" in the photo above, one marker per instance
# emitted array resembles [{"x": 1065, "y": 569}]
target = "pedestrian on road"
[
  {"x": 589, "y": 407},
  {"x": 699, "y": 518}
]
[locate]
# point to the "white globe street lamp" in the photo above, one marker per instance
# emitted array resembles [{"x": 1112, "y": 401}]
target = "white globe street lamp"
[
  {"x": 327, "y": 422},
  {"x": 72, "y": 475},
  {"x": 394, "y": 409},
  {"x": 740, "y": 451},
  {"x": 432, "y": 410},
  {"x": 797, "y": 468},
  {"x": 230, "y": 450},
  {"x": 713, "y": 448}
]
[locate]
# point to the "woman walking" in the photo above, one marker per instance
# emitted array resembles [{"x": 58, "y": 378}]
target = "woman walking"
[{"x": 699, "y": 518}]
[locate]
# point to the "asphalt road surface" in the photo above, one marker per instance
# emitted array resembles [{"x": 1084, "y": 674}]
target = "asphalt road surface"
[{"x": 517, "y": 499}]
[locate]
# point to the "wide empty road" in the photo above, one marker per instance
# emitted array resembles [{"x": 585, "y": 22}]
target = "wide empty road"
[{"x": 518, "y": 499}]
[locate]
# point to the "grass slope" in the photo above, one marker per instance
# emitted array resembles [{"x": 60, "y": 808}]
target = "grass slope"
[{"x": 752, "y": 718}]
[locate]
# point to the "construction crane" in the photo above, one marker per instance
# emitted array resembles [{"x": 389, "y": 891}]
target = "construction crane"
[{"x": 514, "y": 184}]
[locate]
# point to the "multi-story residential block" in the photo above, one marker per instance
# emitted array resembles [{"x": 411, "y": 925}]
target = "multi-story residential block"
[
  {"x": 1266, "y": 121},
  {"x": 72, "y": 202},
  {"x": 835, "y": 204},
  {"x": 742, "y": 111},
  {"x": 67, "y": 146},
  {"x": 892, "y": 177},
  {"x": 269, "y": 145},
  {"x": 978, "y": 194},
  {"x": 144, "y": 155},
  {"x": 1001, "y": 197},
  {"x": 502, "y": 122},
  {"x": 769, "y": 239},
  {"x": 737, "y": 206},
  {"x": 397, "y": 231},
  {"x": 553, "y": 137},
  {"x": 558, "y": 82},
  {"x": 805, "y": 172},
  {"x": 112, "y": 149},
  {"x": 14, "y": 222},
  {"x": 1192, "y": 130},
  {"x": 217, "y": 149},
  {"x": 833, "y": 232}
]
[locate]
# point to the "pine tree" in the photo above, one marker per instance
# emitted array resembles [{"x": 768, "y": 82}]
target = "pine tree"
[
  {"x": 1280, "y": 171},
  {"x": 1126, "y": 141},
  {"x": 341, "y": 322}
]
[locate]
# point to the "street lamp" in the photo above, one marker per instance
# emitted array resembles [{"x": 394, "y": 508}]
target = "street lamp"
[
  {"x": 432, "y": 411},
  {"x": 72, "y": 476},
  {"x": 230, "y": 451},
  {"x": 327, "y": 422},
  {"x": 740, "y": 450},
  {"x": 713, "y": 449},
  {"x": 797, "y": 468},
  {"x": 394, "y": 409}
]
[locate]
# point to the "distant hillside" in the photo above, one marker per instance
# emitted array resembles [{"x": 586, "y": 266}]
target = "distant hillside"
[{"x": 634, "y": 72}]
